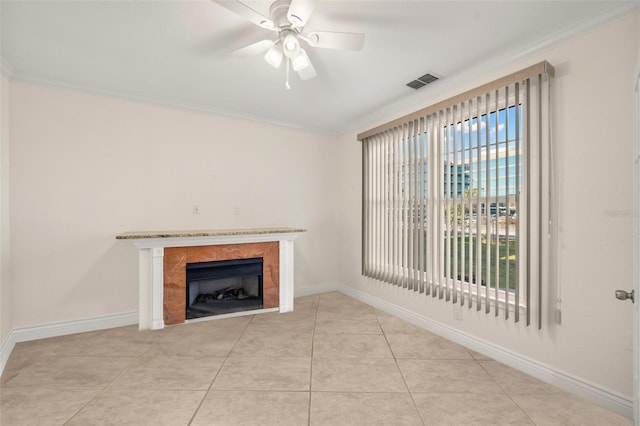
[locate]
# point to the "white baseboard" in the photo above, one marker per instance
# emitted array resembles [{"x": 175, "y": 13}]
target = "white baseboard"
[
  {"x": 61, "y": 328},
  {"x": 316, "y": 289},
  {"x": 593, "y": 393},
  {"x": 5, "y": 350}
]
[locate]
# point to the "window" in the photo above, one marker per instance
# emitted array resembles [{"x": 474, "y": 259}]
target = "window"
[{"x": 455, "y": 197}]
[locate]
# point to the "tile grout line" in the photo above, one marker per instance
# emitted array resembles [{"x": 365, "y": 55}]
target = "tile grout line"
[
  {"x": 415, "y": 405},
  {"x": 84, "y": 405},
  {"x": 313, "y": 341},
  {"x": 101, "y": 391},
  {"x": 504, "y": 390},
  {"x": 206, "y": 393}
]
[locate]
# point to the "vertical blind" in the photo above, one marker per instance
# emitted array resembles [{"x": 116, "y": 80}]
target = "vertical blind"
[{"x": 456, "y": 198}]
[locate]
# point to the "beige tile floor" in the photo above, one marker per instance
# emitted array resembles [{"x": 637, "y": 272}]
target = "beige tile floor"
[{"x": 334, "y": 361}]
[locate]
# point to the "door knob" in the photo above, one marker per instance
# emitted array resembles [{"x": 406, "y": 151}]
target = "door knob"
[{"x": 623, "y": 295}]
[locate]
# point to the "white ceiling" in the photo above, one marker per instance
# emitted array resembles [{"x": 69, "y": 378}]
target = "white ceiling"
[{"x": 177, "y": 52}]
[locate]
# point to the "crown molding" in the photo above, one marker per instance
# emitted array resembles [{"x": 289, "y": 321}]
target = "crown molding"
[
  {"x": 606, "y": 16},
  {"x": 167, "y": 103}
]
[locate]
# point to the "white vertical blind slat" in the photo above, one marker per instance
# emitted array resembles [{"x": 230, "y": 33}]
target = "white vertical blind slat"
[
  {"x": 390, "y": 203},
  {"x": 452, "y": 214},
  {"x": 527, "y": 183},
  {"x": 437, "y": 194},
  {"x": 464, "y": 270},
  {"x": 478, "y": 163},
  {"x": 447, "y": 207},
  {"x": 396, "y": 207},
  {"x": 541, "y": 167},
  {"x": 484, "y": 187},
  {"x": 467, "y": 207},
  {"x": 405, "y": 201},
  {"x": 506, "y": 194},
  {"x": 365, "y": 212},
  {"x": 517, "y": 201},
  {"x": 496, "y": 207},
  {"x": 421, "y": 203},
  {"x": 376, "y": 207},
  {"x": 412, "y": 202}
]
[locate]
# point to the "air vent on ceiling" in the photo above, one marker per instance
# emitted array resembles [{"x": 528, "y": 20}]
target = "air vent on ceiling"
[
  {"x": 416, "y": 84},
  {"x": 422, "y": 81}
]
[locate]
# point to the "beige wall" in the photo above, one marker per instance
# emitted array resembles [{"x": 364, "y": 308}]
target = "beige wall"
[
  {"x": 85, "y": 168},
  {"x": 593, "y": 136},
  {"x": 5, "y": 288}
]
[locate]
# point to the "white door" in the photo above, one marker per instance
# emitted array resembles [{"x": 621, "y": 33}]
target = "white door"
[{"x": 636, "y": 255}]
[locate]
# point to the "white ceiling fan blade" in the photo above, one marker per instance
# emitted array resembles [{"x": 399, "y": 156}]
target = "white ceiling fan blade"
[
  {"x": 245, "y": 11},
  {"x": 333, "y": 40},
  {"x": 300, "y": 11},
  {"x": 307, "y": 73},
  {"x": 253, "y": 49}
]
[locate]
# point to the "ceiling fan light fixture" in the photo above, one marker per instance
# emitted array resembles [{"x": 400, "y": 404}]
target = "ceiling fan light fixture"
[
  {"x": 301, "y": 61},
  {"x": 288, "y": 19},
  {"x": 290, "y": 45},
  {"x": 274, "y": 56}
]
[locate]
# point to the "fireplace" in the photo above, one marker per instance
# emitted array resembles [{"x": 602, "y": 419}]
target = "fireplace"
[
  {"x": 223, "y": 287},
  {"x": 176, "y": 260},
  {"x": 164, "y": 255}
]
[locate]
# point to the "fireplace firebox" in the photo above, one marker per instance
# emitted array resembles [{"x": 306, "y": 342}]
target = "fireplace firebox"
[{"x": 223, "y": 287}]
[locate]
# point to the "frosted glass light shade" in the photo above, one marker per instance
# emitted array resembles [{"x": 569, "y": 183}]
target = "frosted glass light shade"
[
  {"x": 301, "y": 61},
  {"x": 274, "y": 56}
]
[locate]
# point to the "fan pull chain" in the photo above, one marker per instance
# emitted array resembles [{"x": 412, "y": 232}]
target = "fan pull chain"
[{"x": 286, "y": 83}]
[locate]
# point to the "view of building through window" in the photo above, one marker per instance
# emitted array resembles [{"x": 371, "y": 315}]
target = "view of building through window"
[
  {"x": 482, "y": 236},
  {"x": 481, "y": 176}
]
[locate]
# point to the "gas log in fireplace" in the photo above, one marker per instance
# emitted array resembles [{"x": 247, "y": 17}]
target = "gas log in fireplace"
[{"x": 223, "y": 287}]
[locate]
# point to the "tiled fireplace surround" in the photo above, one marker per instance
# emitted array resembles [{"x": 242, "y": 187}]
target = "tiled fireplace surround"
[
  {"x": 176, "y": 259},
  {"x": 162, "y": 267}
]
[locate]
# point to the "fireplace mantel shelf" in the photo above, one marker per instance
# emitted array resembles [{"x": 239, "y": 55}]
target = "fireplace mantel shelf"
[
  {"x": 205, "y": 233},
  {"x": 151, "y": 246},
  {"x": 157, "y": 239}
]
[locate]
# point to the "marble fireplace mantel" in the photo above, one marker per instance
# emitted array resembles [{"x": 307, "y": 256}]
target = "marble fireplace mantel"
[{"x": 151, "y": 245}]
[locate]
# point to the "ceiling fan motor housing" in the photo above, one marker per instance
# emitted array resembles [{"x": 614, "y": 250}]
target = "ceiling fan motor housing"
[{"x": 278, "y": 12}]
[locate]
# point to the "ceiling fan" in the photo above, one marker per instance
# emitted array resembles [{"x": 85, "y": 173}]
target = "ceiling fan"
[{"x": 287, "y": 19}]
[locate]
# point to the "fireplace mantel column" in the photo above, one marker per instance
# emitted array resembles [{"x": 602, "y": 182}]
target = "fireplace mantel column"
[
  {"x": 286, "y": 275},
  {"x": 157, "y": 288}
]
